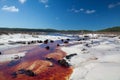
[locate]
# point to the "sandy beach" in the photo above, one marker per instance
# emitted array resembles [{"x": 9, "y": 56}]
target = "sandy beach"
[{"x": 49, "y": 61}]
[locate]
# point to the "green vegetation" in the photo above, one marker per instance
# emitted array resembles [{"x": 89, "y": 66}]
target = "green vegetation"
[
  {"x": 113, "y": 29},
  {"x": 6, "y": 30},
  {"x": 39, "y": 30}
]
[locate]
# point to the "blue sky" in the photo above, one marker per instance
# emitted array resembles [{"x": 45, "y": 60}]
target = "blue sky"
[{"x": 60, "y": 14}]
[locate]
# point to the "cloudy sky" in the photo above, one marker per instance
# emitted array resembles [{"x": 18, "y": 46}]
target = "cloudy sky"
[{"x": 60, "y": 14}]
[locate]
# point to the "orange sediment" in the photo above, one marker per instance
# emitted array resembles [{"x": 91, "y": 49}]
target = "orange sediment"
[{"x": 36, "y": 62}]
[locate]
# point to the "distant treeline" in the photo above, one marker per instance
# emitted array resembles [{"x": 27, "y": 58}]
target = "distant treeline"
[
  {"x": 6, "y": 30},
  {"x": 40, "y": 30},
  {"x": 27, "y": 30},
  {"x": 112, "y": 29}
]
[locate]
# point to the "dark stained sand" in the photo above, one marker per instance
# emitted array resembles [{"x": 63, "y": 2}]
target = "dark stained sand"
[{"x": 35, "y": 60}]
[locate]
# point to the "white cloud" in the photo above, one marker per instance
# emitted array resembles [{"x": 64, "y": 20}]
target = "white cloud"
[
  {"x": 22, "y": 1},
  {"x": 46, "y": 6},
  {"x": 114, "y": 5},
  {"x": 111, "y": 5},
  {"x": 90, "y": 11},
  {"x": 82, "y": 10},
  {"x": 75, "y": 10},
  {"x": 44, "y": 1},
  {"x": 10, "y": 8}
]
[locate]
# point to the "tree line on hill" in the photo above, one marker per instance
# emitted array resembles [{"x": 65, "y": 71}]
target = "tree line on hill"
[
  {"x": 112, "y": 29},
  {"x": 2, "y": 30},
  {"x": 5, "y": 30}
]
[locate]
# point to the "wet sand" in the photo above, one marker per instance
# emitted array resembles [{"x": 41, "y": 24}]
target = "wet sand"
[{"x": 35, "y": 60}]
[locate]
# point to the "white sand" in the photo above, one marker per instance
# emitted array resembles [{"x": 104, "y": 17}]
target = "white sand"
[
  {"x": 9, "y": 57},
  {"x": 11, "y": 38},
  {"x": 100, "y": 61},
  {"x": 88, "y": 67}
]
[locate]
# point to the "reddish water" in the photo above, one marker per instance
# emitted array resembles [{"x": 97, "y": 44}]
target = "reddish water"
[{"x": 35, "y": 61}]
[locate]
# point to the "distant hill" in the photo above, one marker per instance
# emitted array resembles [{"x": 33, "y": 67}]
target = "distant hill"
[
  {"x": 27, "y": 30},
  {"x": 40, "y": 30},
  {"x": 13, "y": 30},
  {"x": 112, "y": 29}
]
